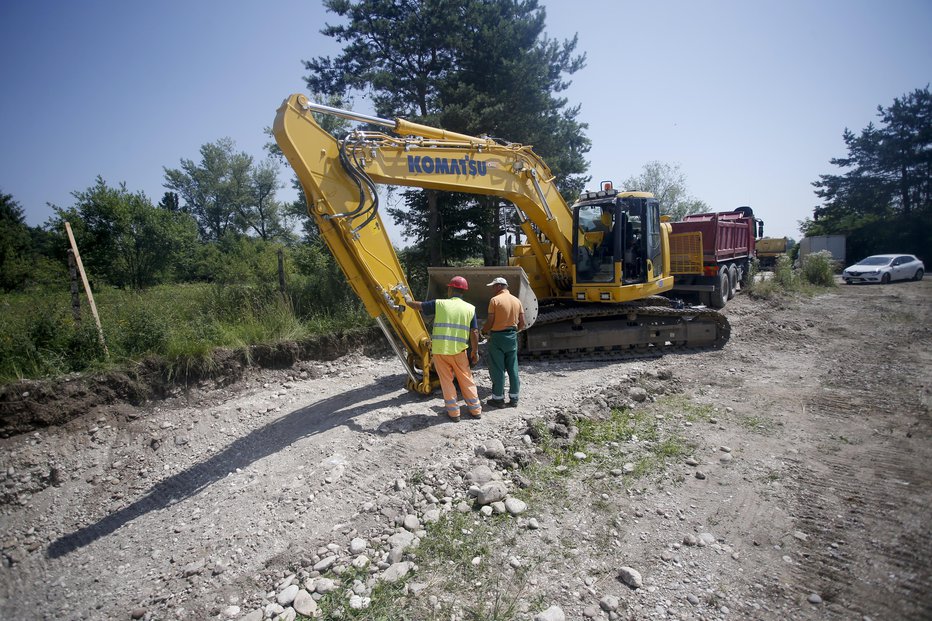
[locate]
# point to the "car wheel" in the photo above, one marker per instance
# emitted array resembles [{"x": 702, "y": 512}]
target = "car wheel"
[
  {"x": 847, "y": 281},
  {"x": 918, "y": 275},
  {"x": 885, "y": 279}
]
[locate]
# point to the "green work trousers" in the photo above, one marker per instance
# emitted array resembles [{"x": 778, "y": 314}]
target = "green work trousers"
[{"x": 503, "y": 358}]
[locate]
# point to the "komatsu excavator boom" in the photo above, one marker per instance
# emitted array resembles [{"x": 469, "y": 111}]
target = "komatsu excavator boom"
[{"x": 589, "y": 276}]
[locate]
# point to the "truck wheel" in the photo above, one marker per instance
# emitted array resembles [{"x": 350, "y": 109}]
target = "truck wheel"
[
  {"x": 746, "y": 276},
  {"x": 733, "y": 281},
  {"x": 719, "y": 296}
]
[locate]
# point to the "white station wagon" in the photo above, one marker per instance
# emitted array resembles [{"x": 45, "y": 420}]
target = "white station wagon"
[{"x": 884, "y": 268}]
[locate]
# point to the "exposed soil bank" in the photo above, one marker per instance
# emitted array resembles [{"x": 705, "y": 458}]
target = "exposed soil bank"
[{"x": 34, "y": 404}]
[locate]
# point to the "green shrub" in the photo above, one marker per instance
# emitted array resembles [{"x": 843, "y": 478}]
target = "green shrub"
[
  {"x": 783, "y": 273},
  {"x": 816, "y": 273},
  {"x": 84, "y": 348},
  {"x": 781, "y": 280},
  {"x": 818, "y": 269},
  {"x": 38, "y": 338},
  {"x": 43, "y": 331}
]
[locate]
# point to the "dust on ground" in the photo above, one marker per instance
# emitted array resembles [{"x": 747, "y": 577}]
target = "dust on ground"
[{"x": 812, "y": 501}]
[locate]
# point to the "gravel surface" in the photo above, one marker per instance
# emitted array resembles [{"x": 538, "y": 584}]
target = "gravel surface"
[{"x": 803, "y": 494}]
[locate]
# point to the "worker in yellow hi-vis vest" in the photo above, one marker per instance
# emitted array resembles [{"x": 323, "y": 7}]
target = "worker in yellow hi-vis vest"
[{"x": 455, "y": 332}]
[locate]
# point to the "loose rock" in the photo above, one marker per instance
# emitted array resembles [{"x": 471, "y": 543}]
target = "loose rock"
[
  {"x": 304, "y": 604},
  {"x": 631, "y": 577},
  {"x": 554, "y": 613},
  {"x": 515, "y": 506}
]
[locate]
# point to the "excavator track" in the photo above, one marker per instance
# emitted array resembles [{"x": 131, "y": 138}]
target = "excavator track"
[{"x": 641, "y": 329}]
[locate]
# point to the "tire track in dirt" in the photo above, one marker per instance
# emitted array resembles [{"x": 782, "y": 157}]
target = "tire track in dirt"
[{"x": 860, "y": 498}]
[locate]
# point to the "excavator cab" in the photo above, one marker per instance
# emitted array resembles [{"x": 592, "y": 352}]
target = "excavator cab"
[
  {"x": 617, "y": 238},
  {"x": 600, "y": 227}
]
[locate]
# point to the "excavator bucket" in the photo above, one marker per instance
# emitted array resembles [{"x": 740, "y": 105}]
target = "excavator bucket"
[{"x": 479, "y": 293}]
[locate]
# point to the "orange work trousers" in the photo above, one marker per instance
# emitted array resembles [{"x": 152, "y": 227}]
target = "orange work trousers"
[{"x": 457, "y": 366}]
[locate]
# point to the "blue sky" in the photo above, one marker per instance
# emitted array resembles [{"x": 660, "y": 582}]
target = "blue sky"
[{"x": 750, "y": 99}]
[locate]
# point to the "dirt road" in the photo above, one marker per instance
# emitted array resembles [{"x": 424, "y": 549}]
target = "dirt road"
[{"x": 805, "y": 493}]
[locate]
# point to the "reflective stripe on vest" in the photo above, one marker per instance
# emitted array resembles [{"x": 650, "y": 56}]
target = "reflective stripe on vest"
[{"x": 452, "y": 319}]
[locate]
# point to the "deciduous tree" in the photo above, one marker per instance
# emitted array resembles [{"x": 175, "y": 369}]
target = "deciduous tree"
[
  {"x": 123, "y": 238},
  {"x": 216, "y": 191},
  {"x": 668, "y": 183},
  {"x": 15, "y": 244}
]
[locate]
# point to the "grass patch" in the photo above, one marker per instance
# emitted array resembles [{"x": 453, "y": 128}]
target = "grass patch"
[
  {"x": 486, "y": 590},
  {"x": 626, "y": 436},
  {"x": 385, "y": 600},
  {"x": 693, "y": 412},
  {"x": 622, "y": 425},
  {"x": 548, "y": 483},
  {"x": 451, "y": 545},
  {"x": 771, "y": 476},
  {"x": 182, "y": 324},
  {"x": 758, "y": 424}
]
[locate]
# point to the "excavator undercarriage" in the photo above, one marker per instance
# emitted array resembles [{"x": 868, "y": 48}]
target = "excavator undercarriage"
[{"x": 647, "y": 327}]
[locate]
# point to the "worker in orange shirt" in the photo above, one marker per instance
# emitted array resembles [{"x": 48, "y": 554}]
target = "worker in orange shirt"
[{"x": 505, "y": 320}]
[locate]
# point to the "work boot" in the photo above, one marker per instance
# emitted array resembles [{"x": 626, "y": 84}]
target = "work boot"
[
  {"x": 493, "y": 404},
  {"x": 512, "y": 403}
]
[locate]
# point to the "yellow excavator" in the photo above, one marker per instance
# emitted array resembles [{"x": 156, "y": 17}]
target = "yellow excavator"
[{"x": 590, "y": 276}]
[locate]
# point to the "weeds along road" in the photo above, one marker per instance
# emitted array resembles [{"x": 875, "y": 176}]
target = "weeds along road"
[{"x": 786, "y": 476}]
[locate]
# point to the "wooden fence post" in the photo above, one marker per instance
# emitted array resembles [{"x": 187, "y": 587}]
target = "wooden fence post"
[
  {"x": 281, "y": 271},
  {"x": 75, "y": 295},
  {"x": 87, "y": 288}
]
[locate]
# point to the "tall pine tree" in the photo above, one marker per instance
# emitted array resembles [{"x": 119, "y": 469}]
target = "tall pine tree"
[
  {"x": 472, "y": 66},
  {"x": 883, "y": 200}
]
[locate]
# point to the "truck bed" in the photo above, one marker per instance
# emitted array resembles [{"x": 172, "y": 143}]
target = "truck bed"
[{"x": 723, "y": 237}]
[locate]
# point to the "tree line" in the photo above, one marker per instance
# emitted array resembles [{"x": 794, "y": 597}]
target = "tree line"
[
  {"x": 210, "y": 210},
  {"x": 881, "y": 199},
  {"x": 472, "y": 66}
]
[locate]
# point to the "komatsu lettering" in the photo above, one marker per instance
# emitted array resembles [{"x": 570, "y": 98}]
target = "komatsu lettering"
[{"x": 446, "y": 166}]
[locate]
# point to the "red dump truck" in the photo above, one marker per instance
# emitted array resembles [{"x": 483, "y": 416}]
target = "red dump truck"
[{"x": 711, "y": 253}]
